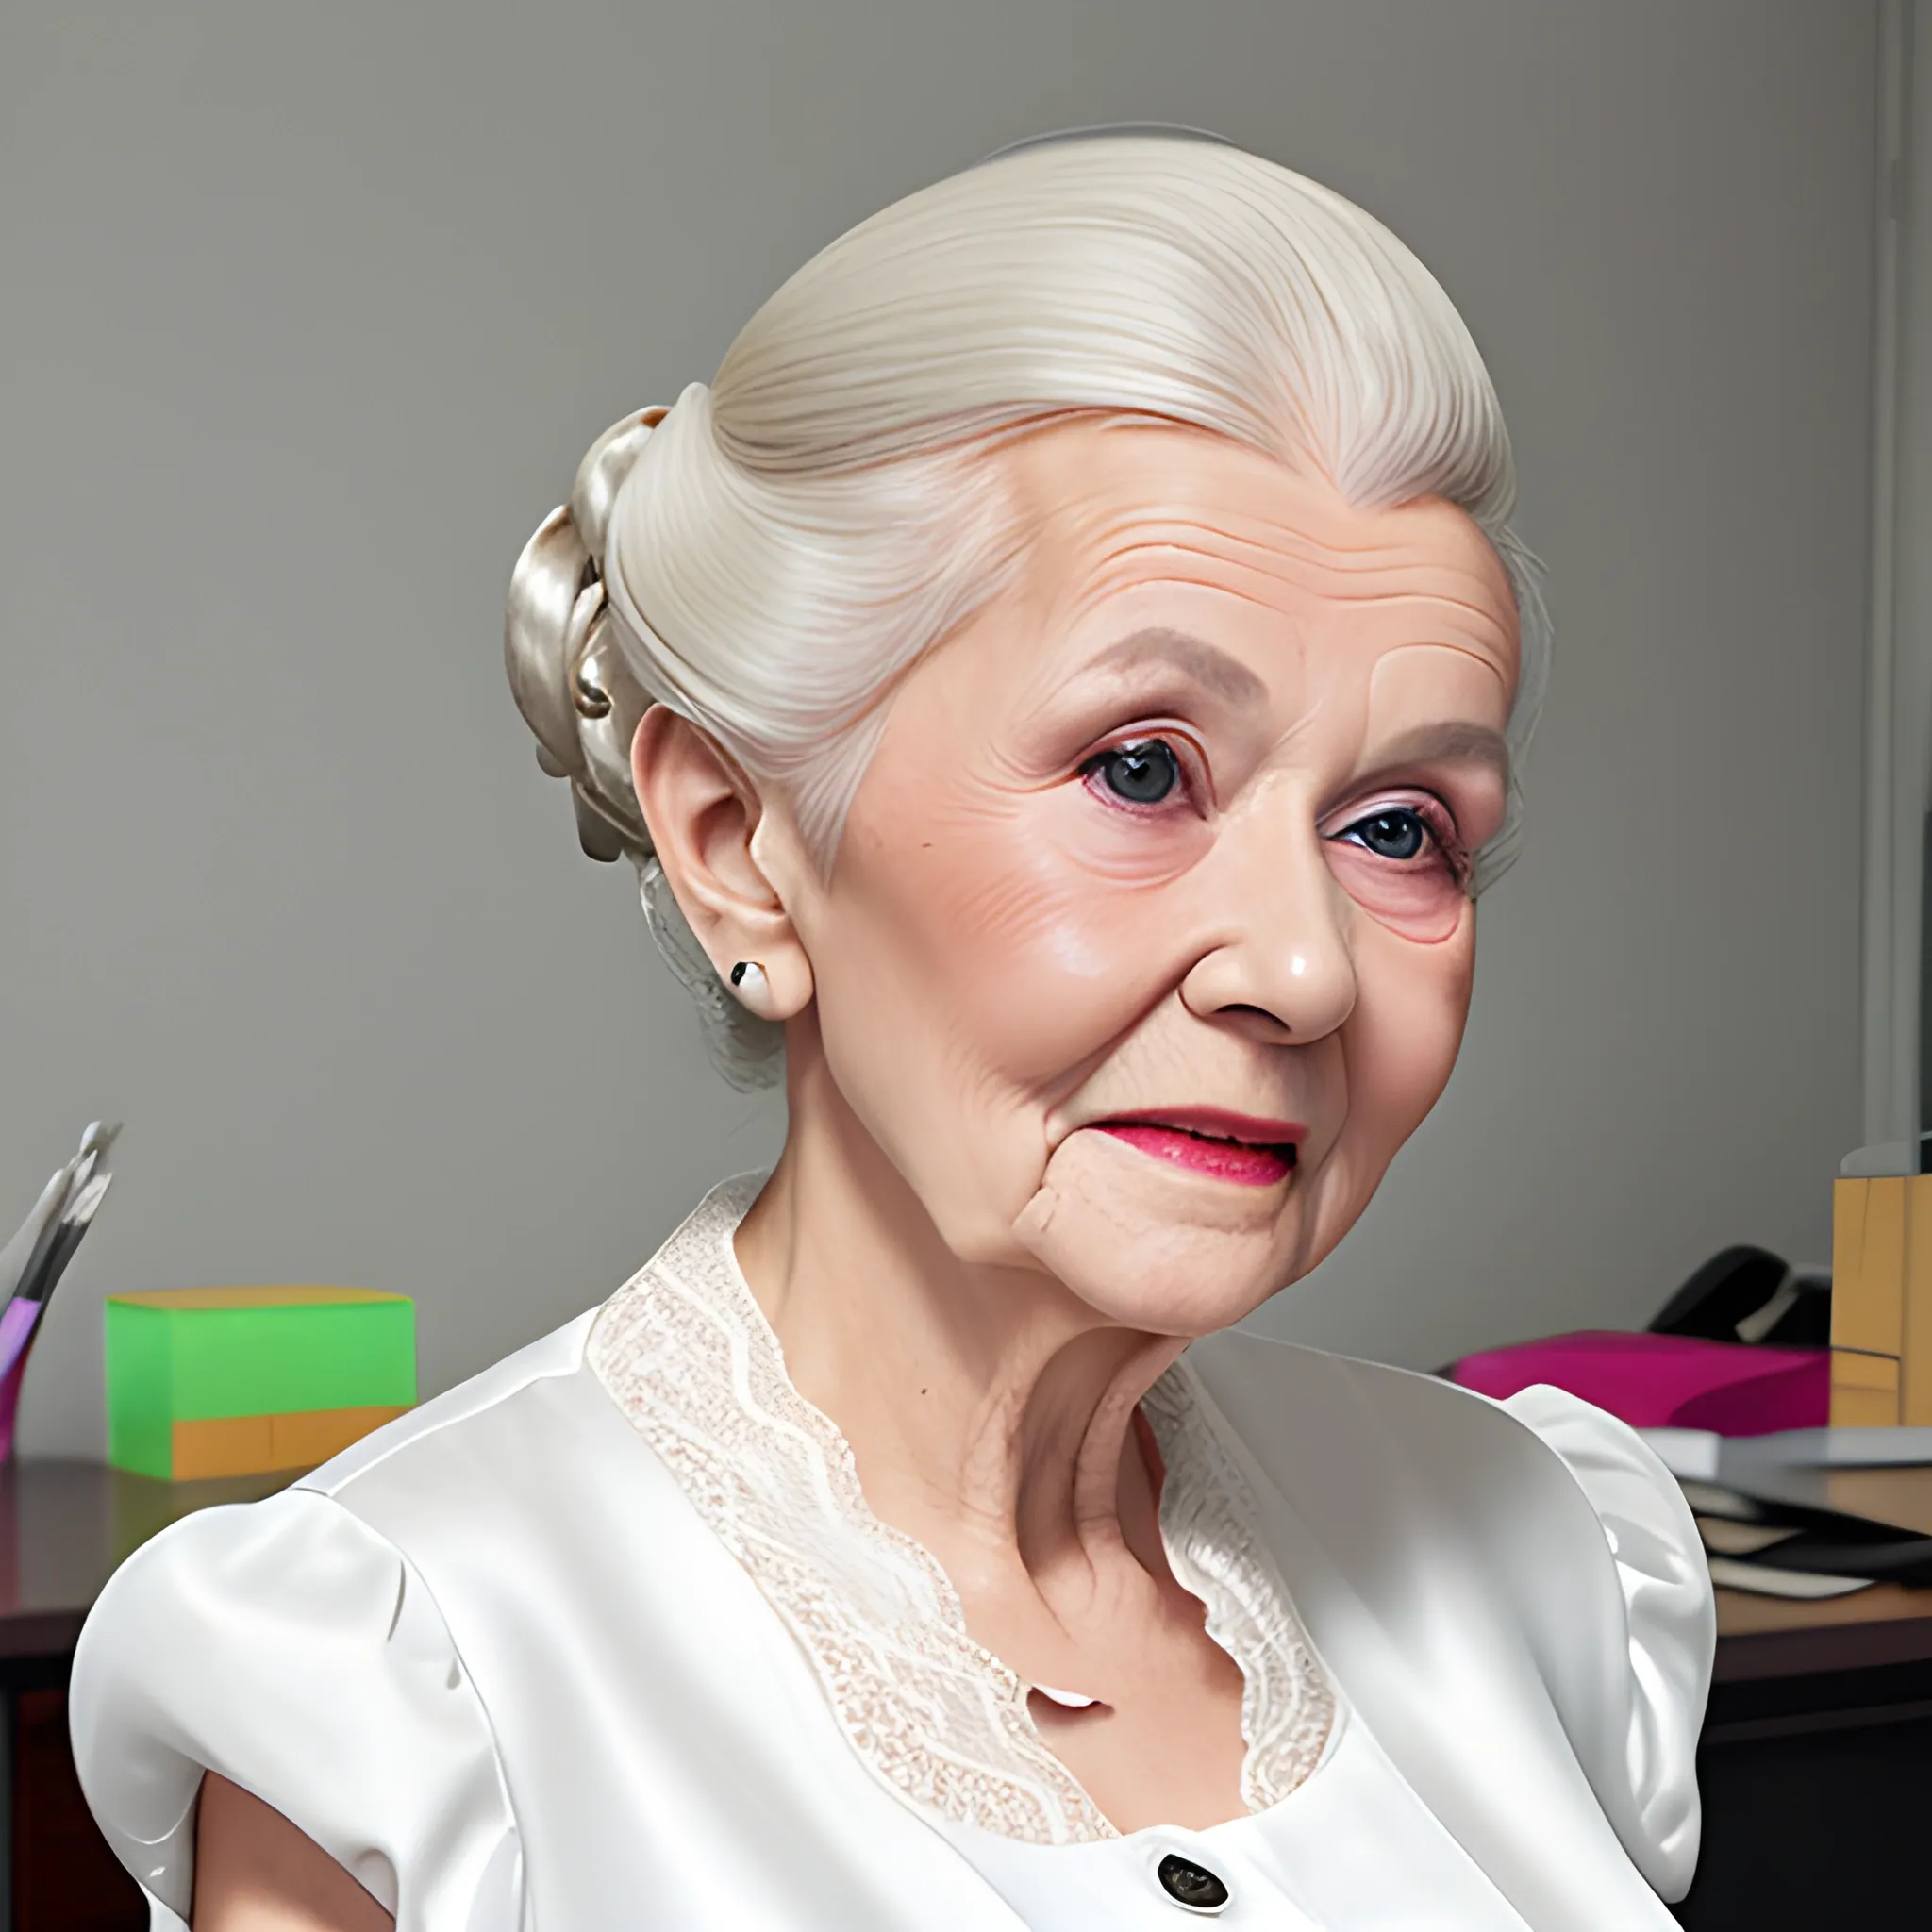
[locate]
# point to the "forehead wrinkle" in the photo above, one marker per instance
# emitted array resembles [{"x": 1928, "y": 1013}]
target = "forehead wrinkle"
[
  {"x": 1482, "y": 634},
  {"x": 1096, "y": 596},
  {"x": 1246, "y": 530},
  {"x": 1073, "y": 517},
  {"x": 1497, "y": 666},
  {"x": 1091, "y": 549},
  {"x": 1263, "y": 559},
  {"x": 1449, "y": 621}
]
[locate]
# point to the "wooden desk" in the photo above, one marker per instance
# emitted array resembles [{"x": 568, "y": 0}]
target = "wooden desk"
[
  {"x": 64, "y": 1527},
  {"x": 1816, "y": 1760},
  {"x": 1760, "y": 1637}
]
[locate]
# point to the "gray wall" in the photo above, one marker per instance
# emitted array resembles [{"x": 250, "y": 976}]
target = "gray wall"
[{"x": 308, "y": 315}]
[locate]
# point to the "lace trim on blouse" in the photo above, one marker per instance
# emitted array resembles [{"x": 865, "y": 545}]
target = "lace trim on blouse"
[
  {"x": 687, "y": 1356},
  {"x": 1207, "y": 1520}
]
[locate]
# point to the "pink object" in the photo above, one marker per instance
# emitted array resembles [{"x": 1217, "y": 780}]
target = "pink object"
[
  {"x": 19, "y": 1324},
  {"x": 1667, "y": 1381}
]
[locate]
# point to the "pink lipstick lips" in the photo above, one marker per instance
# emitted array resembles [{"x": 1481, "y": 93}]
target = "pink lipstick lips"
[{"x": 1239, "y": 1147}]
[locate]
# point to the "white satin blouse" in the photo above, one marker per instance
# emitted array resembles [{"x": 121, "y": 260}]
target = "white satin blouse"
[{"x": 607, "y": 1637}]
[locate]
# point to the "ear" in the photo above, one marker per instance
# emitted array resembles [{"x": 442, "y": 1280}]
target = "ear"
[{"x": 704, "y": 815}]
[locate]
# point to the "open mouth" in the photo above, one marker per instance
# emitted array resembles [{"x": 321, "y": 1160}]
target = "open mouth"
[{"x": 1223, "y": 1147}]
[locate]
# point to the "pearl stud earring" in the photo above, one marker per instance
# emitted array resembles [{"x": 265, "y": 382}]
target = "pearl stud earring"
[{"x": 749, "y": 983}]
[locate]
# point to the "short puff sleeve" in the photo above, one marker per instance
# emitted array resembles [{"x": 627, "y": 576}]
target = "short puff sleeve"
[
  {"x": 1669, "y": 1610},
  {"x": 288, "y": 1646}
]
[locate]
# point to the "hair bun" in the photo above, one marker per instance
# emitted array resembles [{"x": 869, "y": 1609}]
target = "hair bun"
[{"x": 566, "y": 671}]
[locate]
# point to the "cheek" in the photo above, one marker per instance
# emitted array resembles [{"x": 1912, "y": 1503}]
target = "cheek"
[
  {"x": 1398, "y": 1050},
  {"x": 1024, "y": 934},
  {"x": 1406, "y": 1029},
  {"x": 1423, "y": 903},
  {"x": 968, "y": 980}
]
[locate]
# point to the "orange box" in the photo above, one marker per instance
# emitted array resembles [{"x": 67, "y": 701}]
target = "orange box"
[
  {"x": 257, "y": 1444},
  {"x": 1864, "y": 1391},
  {"x": 1915, "y": 1338},
  {"x": 1869, "y": 1232}
]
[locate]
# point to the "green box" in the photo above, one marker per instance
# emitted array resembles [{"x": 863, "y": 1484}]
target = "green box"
[{"x": 206, "y": 1354}]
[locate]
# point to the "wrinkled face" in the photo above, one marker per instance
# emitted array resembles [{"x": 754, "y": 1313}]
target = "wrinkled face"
[{"x": 1148, "y": 941}]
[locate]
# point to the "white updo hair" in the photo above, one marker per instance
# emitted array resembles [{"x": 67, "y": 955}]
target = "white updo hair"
[{"x": 771, "y": 554}]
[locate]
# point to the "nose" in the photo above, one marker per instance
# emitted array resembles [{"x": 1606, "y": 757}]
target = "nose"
[{"x": 1279, "y": 965}]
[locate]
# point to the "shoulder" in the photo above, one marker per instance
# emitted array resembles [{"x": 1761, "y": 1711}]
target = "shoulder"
[
  {"x": 481, "y": 1398},
  {"x": 1552, "y": 1527},
  {"x": 1467, "y": 1450},
  {"x": 1282, "y": 1399},
  {"x": 289, "y": 1646},
  {"x": 1567, "y": 1508},
  {"x": 298, "y": 1647}
]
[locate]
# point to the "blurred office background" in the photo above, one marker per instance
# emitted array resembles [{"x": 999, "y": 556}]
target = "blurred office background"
[{"x": 309, "y": 314}]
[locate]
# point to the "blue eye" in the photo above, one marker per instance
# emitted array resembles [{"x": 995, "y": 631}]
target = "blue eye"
[
  {"x": 1141, "y": 774},
  {"x": 1397, "y": 833}
]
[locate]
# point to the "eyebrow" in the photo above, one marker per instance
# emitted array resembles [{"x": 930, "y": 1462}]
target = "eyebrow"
[
  {"x": 1227, "y": 677},
  {"x": 1454, "y": 744}
]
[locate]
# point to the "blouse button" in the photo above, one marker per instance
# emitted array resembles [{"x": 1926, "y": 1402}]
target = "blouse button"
[{"x": 1191, "y": 1886}]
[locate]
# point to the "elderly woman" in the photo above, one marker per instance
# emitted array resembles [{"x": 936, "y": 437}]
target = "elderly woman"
[{"x": 1062, "y": 686}]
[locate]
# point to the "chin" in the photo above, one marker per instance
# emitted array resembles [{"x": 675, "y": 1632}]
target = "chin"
[{"x": 1157, "y": 1247}]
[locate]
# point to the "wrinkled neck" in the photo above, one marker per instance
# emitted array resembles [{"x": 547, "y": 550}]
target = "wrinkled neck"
[{"x": 990, "y": 1411}]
